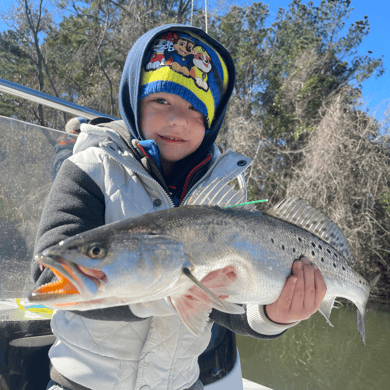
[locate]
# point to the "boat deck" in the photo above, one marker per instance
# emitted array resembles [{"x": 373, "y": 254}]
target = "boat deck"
[{"x": 248, "y": 385}]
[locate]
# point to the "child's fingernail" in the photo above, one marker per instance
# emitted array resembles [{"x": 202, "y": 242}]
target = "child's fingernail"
[
  {"x": 299, "y": 264},
  {"x": 304, "y": 260}
]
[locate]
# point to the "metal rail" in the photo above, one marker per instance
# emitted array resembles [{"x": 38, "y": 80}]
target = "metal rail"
[{"x": 49, "y": 101}]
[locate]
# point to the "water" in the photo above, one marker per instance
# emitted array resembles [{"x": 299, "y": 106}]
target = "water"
[{"x": 314, "y": 355}]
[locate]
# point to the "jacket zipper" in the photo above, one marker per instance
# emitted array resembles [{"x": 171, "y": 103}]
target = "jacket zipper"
[{"x": 124, "y": 162}]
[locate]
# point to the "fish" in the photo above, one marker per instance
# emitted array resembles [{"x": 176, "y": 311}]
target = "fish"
[{"x": 202, "y": 256}]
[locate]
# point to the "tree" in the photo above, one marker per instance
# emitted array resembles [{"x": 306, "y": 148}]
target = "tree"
[
  {"x": 310, "y": 61},
  {"x": 345, "y": 173},
  {"x": 22, "y": 52}
]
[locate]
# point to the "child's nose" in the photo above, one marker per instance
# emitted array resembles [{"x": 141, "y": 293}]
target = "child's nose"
[{"x": 178, "y": 118}]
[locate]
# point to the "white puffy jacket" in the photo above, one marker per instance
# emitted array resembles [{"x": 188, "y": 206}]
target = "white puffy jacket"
[{"x": 157, "y": 352}]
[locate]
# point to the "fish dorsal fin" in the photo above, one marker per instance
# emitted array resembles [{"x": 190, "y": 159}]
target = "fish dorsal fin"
[
  {"x": 299, "y": 213},
  {"x": 220, "y": 193}
]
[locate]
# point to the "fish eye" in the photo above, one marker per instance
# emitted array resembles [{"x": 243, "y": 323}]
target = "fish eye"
[{"x": 96, "y": 252}]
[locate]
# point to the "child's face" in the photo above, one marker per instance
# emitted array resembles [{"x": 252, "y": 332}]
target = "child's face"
[{"x": 174, "y": 124}]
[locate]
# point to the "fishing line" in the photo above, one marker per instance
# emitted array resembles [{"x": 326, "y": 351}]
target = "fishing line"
[
  {"x": 205, "y": 13},
  {"x": 244, "y": 204},
  {"x": 192, "y": 11}
]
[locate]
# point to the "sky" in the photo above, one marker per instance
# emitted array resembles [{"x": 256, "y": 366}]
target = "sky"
[{"x": 376, "y": 91}]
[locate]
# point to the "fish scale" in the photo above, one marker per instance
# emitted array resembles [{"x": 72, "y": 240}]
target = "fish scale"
[{"x": 169, "y": 253}]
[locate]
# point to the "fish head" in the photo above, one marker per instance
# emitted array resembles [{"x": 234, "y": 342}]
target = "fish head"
[{"x": 102, "y": 265}]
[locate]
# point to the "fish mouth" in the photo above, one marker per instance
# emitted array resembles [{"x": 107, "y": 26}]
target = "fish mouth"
[{"x": 73, "y": 279}]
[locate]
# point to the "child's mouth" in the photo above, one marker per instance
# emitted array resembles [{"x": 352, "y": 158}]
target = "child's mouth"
[{"x": 170, "y": 139}]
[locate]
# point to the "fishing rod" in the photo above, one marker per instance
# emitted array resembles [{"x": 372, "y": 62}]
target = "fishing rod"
[{"x": 49, "y": 101}]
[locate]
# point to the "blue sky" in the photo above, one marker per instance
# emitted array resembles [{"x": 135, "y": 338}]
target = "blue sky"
[{"x": 376, "y": 92}]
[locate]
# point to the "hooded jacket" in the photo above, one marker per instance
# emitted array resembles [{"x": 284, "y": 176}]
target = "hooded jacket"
[{"x": 112, "y": 177}]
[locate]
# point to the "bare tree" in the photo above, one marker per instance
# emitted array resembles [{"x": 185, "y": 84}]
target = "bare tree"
[{"x": 345, "y": 172}]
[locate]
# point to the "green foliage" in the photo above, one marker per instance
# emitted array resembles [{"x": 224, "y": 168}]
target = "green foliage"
[
  {"x": 384, "y": 200},
  {"x": 307, "y": 49}
]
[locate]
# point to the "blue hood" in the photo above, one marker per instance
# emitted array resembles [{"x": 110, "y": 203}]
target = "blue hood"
[{"x": 130, "y": 83}]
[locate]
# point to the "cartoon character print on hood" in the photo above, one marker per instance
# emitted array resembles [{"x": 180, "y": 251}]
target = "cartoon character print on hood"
[
  {"x": 140, "y": 78},
  {"x": 202, "y": 66},
  {"x": 161, "y": 47},
  {"x": 178, "y": 51},
  {"x": 181, "y": 58}
]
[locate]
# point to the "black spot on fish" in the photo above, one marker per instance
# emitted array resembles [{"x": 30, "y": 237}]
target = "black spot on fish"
[
  {"x": 320, "y": 247},
  {"x": 283, "y": 247},
  {"x": 322, "y": 259},
  {"x": 328, "y": 251},
  {"x": 334, "y": 265},
  {"x": 299, "y": 239},
  {"x": 272, "y": 240},
  {"x": 335, "y": 255},
  {"x": 314, "y": 245},
  {"x": 294, "y": 250},
  {"x": 313, "y": 254},
  {"x": 343, "y": 268}
]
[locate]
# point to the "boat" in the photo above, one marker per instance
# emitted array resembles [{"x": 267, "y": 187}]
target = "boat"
[{"x": 26, "y": 156}]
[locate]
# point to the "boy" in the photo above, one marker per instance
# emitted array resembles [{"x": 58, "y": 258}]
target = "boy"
[{"x": 152, "y": 160}]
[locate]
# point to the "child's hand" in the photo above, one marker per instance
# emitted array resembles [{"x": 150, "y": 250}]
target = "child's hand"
[{"x": 301, "y": 296}]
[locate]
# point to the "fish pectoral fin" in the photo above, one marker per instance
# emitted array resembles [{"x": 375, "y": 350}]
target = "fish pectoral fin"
[
  {"x": 195, "y": 305},
  {"x": 213, "y": 284},
  {"x": 326, "y": 308},
  {"x": 192, "y": 312}
]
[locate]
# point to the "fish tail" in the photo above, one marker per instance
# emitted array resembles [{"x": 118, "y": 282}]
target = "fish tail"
[
  {"x": 361, "y": 312},
  {"x": 361, "y": 324}
]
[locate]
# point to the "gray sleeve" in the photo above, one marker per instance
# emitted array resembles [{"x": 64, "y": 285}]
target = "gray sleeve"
[
  {"x": 238, "y": 323},
  {"x": 75, "y": 204}
]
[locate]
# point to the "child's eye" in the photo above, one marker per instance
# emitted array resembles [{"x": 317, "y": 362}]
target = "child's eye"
[{"x": 160, "y": 101}]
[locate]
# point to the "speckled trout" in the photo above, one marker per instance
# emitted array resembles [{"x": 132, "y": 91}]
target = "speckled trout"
[{"x": 168, "y": 253}]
